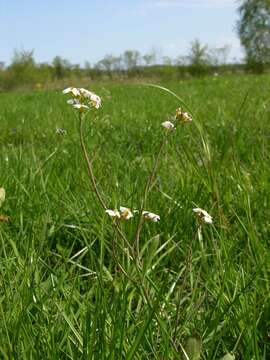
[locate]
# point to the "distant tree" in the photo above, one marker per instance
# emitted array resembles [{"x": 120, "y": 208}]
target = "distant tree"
[
  {"x": 23, "y": 58},
  {"x": 149, "y": 59},
  {"x": 182, "y": 60},
  {"x": 254, "y": 32},
  {"x": 88, "y": 68},
  {"x": 109, "y": 63},
  {"x": 22, "y": 69},
  {"x": 61, "y": 67},
  {"x": 198, "y": 57},
  {"x": 131, "y": 59},
  {"x": 167, "y": 61},
  {"x": 219, "y": 56}
]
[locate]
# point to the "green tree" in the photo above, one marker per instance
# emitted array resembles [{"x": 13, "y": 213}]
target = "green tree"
[
  {"x": 131, "y": 59},
  {"x": 254, "y": 32},
  {"x": 198, "y": 58},
  {"x": 61, "y": 67},
  {"x": 22, "y": 70}
]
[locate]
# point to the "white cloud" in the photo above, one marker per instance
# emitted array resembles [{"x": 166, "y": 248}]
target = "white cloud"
[{"x": 192, "y": 3}]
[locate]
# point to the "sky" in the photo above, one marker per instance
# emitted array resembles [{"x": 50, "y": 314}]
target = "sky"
[{"x": 87, "y": 30}]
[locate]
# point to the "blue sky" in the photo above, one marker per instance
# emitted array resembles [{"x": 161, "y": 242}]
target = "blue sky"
[{"x": 89, "y": 29}]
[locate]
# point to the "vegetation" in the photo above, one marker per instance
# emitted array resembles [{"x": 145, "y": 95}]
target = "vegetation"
[
  {"x": 25, "y": 73},
  {"x": 254, "y": 32},
  {"x": 71, "y": 289}
]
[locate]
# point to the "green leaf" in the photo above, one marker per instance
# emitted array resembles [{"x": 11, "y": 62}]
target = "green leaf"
[
  {"x": 228, "y": 357},
  {"x": 193, "y": 347},
  {"x": 2, "y": 196}
]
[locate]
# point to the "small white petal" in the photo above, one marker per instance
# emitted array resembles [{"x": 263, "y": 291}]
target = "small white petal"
[
  {"x": 113, "y": 213},
  {"x": 81, "y": 107},
  {"x": 95, "y": 101},
  {"x": 168, "y": 125},
  {"x": 150, "y": 216},
  {"x": 67, "y": 90},
  {"x": 208, "y": 220},
  {"x": 73, "y": 101},
  {"x": 72, "y": 90},
  {"x": 203, "y": 215},
  {"x": 86, "y": 93},
  {"x": 125, "y": 213}
]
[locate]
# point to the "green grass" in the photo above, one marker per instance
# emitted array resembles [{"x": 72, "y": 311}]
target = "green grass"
[{"x": 63, "y": 293}]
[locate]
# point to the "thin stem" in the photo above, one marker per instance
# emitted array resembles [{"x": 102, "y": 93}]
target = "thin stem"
[
  {"x": 94, "y": 184},
  {"x": 89, "y": 166},
  {"x": 139, "y": 284},
  {"x": 146, "y": 192}
]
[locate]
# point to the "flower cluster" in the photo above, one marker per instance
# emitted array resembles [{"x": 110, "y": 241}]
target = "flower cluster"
[
  {"x": 203, "y": 216},
  {"x": 82, "y": 99},
  {"x": 123, "y": 213},
  {"x": 126, "y": 214},
  {"x": 182, "y": 116}
]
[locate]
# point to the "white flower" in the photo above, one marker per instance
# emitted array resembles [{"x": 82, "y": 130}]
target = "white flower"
[
  {"x": 125, "y": 213},
  {"x": 182, "y": 116},
  {"x": 113, "y": 213},
  {"x": 83, "y": 97},
  {"x": 85, "y": 93},
  {"x": 150, "y": 216},
  {"x": 95, "y": 101},
  {"x": 203, "y": 216},
  {"x": 73, "y": 91},
  {"x": 168, "y": 125},
  {"x": 73, "y": 101},
  {"x": 2, "y": 195},
  {"x": 81, "y": 107}
]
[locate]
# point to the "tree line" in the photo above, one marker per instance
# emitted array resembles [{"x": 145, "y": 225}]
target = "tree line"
[
  {"x": 24, "y": 71},
  {"x": 253, "y": 28}
]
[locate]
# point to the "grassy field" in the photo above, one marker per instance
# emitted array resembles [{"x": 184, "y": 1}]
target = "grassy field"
[{"x": 73, "y": 288}]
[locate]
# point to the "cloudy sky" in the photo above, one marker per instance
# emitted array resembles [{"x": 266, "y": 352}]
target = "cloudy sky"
[{"x": 89, "y": 29}]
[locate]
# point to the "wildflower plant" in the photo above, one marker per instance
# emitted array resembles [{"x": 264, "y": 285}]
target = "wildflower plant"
[{"x": 131, "y": 252}]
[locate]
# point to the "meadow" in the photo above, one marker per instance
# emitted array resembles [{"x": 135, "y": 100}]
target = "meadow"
[{"x": 73, "y": 288}]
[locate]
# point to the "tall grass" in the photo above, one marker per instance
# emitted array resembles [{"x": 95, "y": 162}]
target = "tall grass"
[{"x": 69, "y": 287}]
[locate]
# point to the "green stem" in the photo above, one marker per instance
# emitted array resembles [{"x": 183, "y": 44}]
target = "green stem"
[
  {"x": 89, "y": 166},
  {"x": 146, "y": 192}
]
